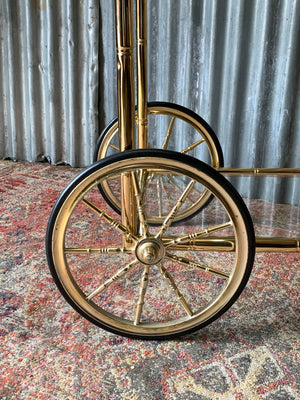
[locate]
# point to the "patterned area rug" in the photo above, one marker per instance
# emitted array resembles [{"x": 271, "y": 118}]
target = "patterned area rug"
[{"x": 49, "y": 352}]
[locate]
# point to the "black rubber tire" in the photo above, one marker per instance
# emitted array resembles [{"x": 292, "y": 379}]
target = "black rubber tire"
[{"x": 161, "y": 154}]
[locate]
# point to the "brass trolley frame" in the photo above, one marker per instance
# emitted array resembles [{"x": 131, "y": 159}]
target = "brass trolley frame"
[
  {"x": 188, "y": 274},
  {"x": 126, "y": 112}
]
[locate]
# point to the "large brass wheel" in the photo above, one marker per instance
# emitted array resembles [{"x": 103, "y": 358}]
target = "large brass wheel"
[
  {"x": 175, "y": 128},
  {"x": 154, "y": 282}
]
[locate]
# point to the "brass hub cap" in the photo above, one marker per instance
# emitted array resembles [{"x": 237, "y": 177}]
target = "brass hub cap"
[{"x": 150, "y": 251}]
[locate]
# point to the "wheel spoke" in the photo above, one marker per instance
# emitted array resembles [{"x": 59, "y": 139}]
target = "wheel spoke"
[
  {"x": 205, "y": 232},
  {"x": 194, "y": 264},
  {"x": 114, "y": 147},
  {"x": 89, "y": 250},
  {"x": 143, "y": 180},
  {"x": 179, "y": 296},
  {"x": 161, "y": 188},
  {"x": 192, "y": 146},
  {"x": 195, "y": 189},
  {"x": 140, "y": 205},
  {"x": 159, "y": 185},
  {"x": 172, "y": 214},
  {"x": 113, "y": 222},
  {"x": 167, "y": 138},
  {"x": 173, "y": 182},
  {"x": 143, "y": 289},
  {"x": 121, "y": 272},
  {"x": 165, "y": 190}
]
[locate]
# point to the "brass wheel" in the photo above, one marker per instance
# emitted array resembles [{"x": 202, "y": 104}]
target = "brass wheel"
[
  {"x": 180, "y": 130},
  {"x": 162, "y": 281}
]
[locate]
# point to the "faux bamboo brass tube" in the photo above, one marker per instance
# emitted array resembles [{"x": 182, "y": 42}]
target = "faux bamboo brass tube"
[
  {"x": 142, "y": 109},
  {"x": 280, "y": 245},
  {"x": 125, "y": 72},
  {"x": 260, "y": 172},
  {"x": 227, "y": 244},
  {"x": 126, "y": 104}
]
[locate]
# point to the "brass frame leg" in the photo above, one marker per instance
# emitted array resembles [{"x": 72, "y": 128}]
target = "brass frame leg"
[{"x": 125, "y": 83}]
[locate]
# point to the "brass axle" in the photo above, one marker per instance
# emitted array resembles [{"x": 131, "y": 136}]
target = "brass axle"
[
  {"x": 260, "y": 172},
  {"x": 227, "y": 244}
]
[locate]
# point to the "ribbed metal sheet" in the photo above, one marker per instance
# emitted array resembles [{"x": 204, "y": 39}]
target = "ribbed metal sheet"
[
  {"x": 49, "y": 79},
  {"x": 235, "y": 62}
]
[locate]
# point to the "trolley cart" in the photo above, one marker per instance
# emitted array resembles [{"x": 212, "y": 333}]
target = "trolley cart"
[{"x": 153, "y": 243}]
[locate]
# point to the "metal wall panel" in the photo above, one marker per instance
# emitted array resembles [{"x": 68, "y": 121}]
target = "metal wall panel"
[
  {"x": 235, "y": 62},
  {"x": 49, "y": 79}
]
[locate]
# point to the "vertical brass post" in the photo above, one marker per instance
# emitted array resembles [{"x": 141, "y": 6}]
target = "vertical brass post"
[
  {"x": 142, "y": 110},
  {"x": 125, "y": 73},
  {"x": 126, "y": 105}
]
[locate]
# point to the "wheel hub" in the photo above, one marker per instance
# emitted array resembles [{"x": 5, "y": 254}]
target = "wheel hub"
[{"x": 150, "y": 251}]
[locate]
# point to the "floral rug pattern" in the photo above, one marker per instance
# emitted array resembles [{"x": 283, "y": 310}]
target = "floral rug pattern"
[{"x": 49, "y": 352}]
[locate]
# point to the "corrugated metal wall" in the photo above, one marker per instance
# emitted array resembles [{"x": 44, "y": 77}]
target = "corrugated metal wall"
[
  {"x": 235, "y": 62},
  {"x": 49, "y": 79}
]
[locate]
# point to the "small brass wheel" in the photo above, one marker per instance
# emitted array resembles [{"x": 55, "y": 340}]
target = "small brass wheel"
[
  {"x": 175, "y": 128},
  {"x": 150, "y": 282}
]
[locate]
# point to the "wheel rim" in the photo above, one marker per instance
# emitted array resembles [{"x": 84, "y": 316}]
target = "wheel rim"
[
  {"x": 173, "y": 120},
  {"x": 120, "y": 290}
]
